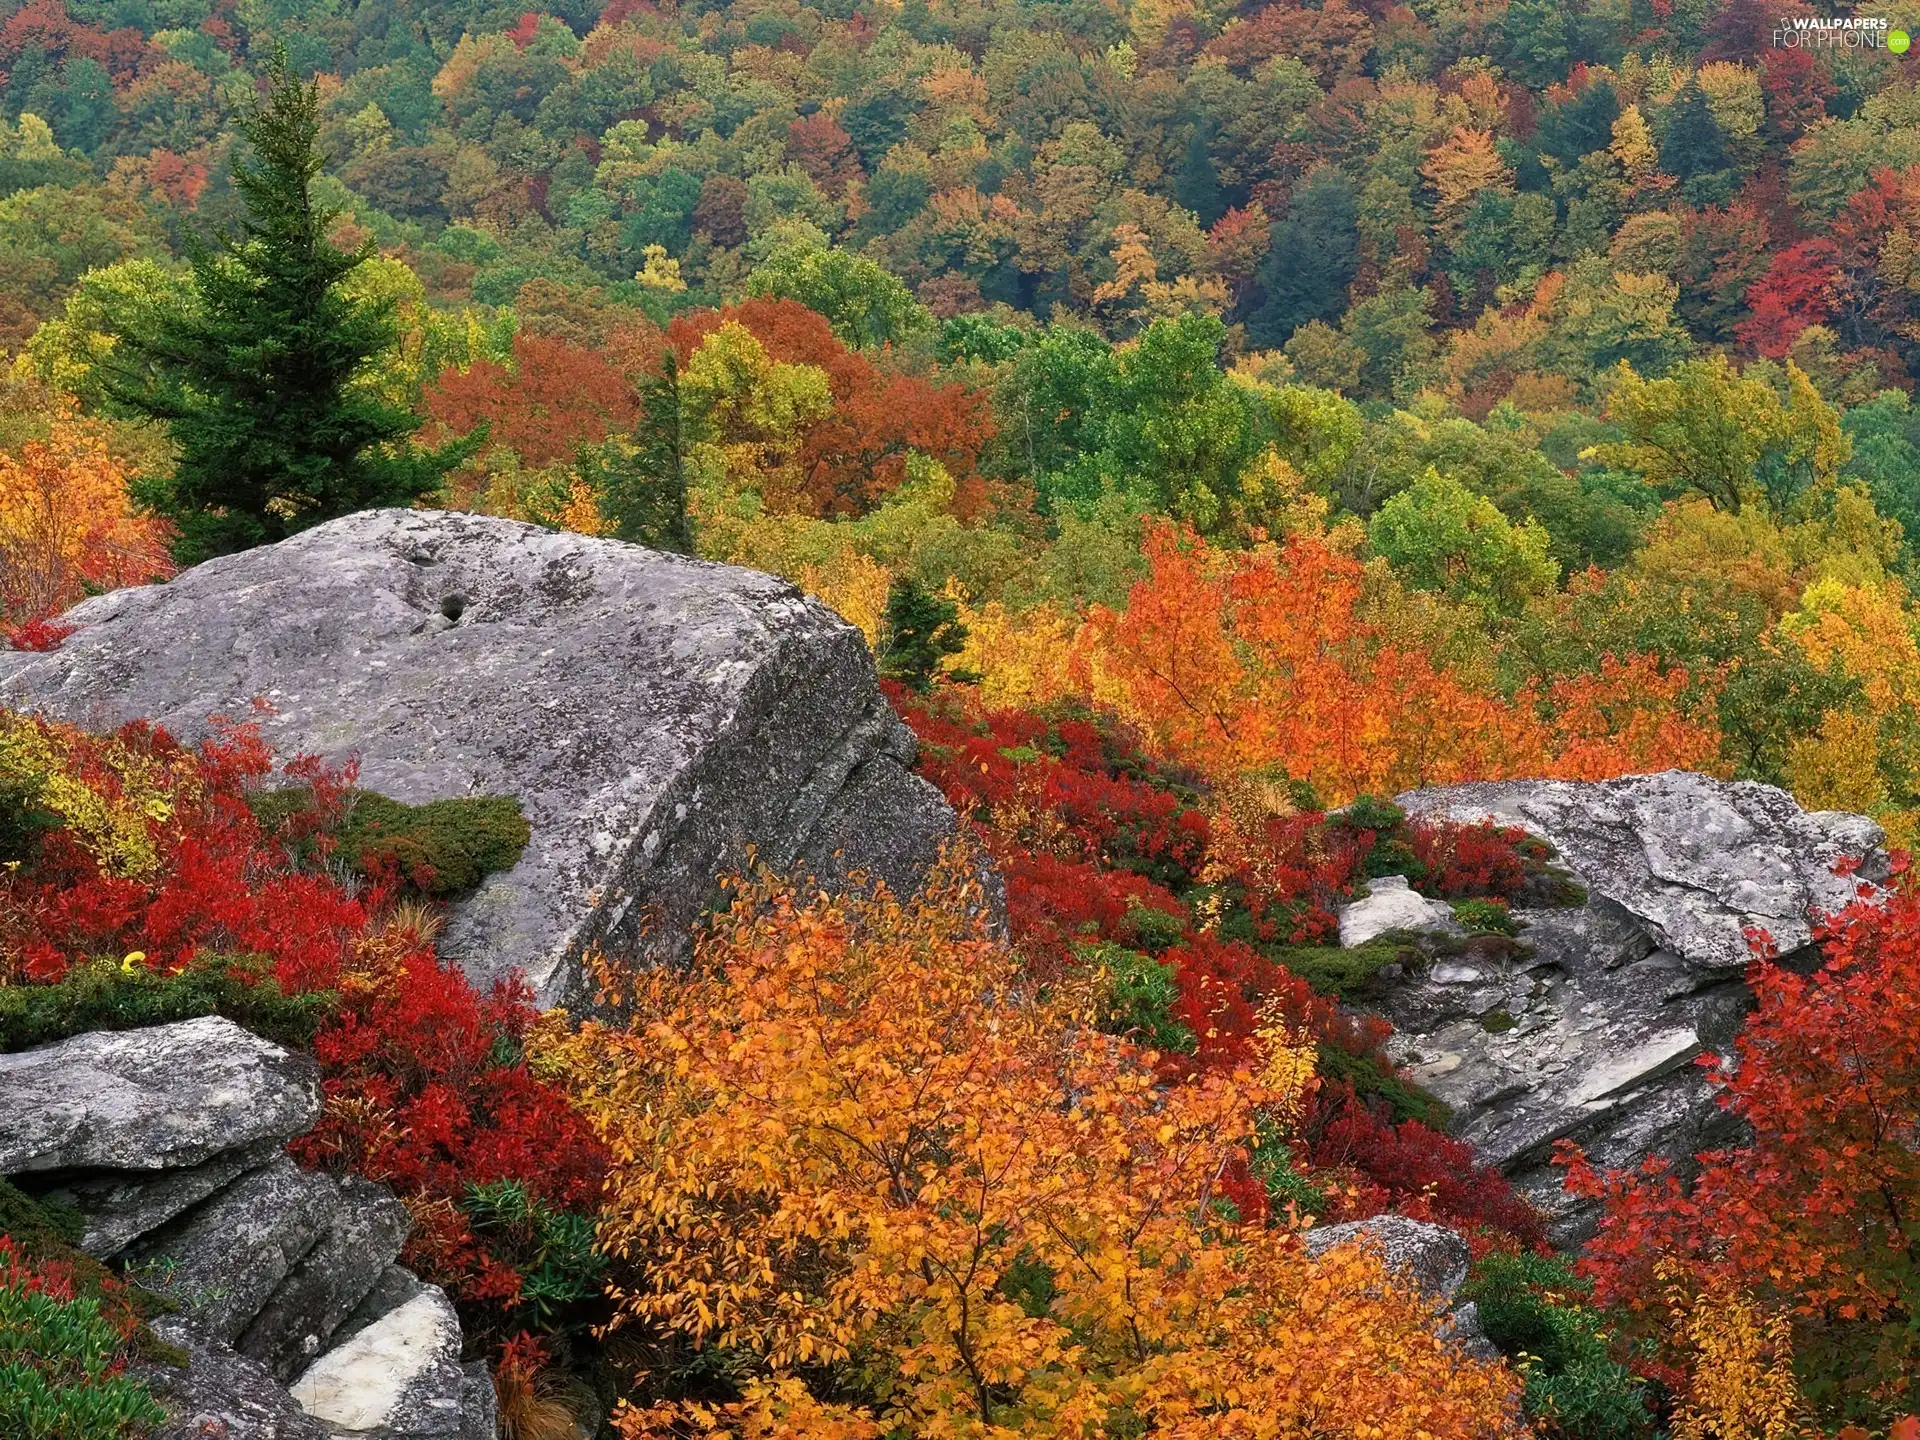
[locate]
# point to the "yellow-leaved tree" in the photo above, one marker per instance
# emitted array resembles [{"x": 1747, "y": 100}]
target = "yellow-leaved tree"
[
  {"x": 67, "y": 526},
  {"x": 877, "y": 1183}
]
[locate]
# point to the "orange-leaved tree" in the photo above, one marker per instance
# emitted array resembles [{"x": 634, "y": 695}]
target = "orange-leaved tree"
[
  {"x": 1256, "y": 660},
  {"x": 884, "y": 1186},
  {"x": 67, "y": 527}
]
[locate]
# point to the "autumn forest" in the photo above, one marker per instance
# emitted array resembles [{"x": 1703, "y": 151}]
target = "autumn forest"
[{"x": 1218, "y": 418}]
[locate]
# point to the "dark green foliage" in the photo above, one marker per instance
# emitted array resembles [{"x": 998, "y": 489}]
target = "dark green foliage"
[
  {"x": 1405, "y": 1100},
  {"x": 1695, "y": 148},
  {"x": 255, "y": 378},
  {"x": 1497, "y": 1022},
  {"x": 440, "y": 848},
  {"x": 1346, "y": 973},
  {"x": 1141, "y": 993},
  {"x": 552, "y": 1250},
  {"x": 1030, "y": 1284},
  {"x": 641, "y": 481},
  {"x": 1486, "y": 917},
  {"x": 920, "y": 630},
  {"x": 1314, "y": 254},
  {"x": 1273, "y": 1166},
  {"x": 23, "y": 820},
  {"x": 108, "y": 994},
  {"x": 1580, "y": 125},
  {"x": 1533, "y": 1308},
  {"x": 1370, "y": 812}
]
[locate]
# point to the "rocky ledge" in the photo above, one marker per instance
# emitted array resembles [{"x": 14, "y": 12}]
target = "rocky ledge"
[
  {"x": 1588, "y": 1028},
  {"x": 659, "y": 718},
  {"x": 169, "y": 1142}
]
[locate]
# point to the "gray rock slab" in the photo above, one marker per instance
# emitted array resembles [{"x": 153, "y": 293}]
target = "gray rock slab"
[
  {"x": 1432, "y": 1258},
  {"x": 220, "y": 1395},
  {"x": 392, "y": 1288},
  {"x": 1592, "y": 1033},
  {"x": 656, "y": 716},
  {"x": 122, "y": 1206},
  {"x": 1697, "y": 861},
  {"x": 398, "y": 1379},
  {"x": 164, "y": 1097},
  {"x": 338, "y": 1273},
  {"x": 221, "y": 1262}
]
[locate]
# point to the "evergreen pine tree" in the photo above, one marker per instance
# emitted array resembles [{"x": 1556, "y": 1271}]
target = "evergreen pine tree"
[
  {"x": 1314, "y": 254},
  {"x": 259, "y": 377},
  {"x": 920, "y": 630},
  {"x": 1695, "y": 148},
  {"x": 641, "y": 481},
  {"x": 1196, "y": 184}
]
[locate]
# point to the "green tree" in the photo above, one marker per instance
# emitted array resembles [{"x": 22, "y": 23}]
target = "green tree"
[
  {"x": 1695, "y": 148},
  {"x": 919, "y": 631},
  {"x": 641, "y": 480},
  {"x": 865, "y": 305},
  {"x": 1439, "y": 535},
  {"x": 1314, "y": 254},
  {"x": 262, "y": 376},
  {"x": 1729, "y": 436}
]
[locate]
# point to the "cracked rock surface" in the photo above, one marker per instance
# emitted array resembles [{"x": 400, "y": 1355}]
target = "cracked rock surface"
[
  {"x": 154, "y": 1099},
  {"x": 655, "y": 715},
  {"x": 1590, "y": 1028}
]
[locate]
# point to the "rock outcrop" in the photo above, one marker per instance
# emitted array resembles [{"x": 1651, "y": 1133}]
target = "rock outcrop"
[
  {"x": 1588, "y": 1030},
  {"x": 656, "y": 716},
  {"x": 170, "y": 1143}
]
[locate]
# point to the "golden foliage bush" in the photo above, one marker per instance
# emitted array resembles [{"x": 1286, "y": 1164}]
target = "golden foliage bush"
[{"x": 903, "y": 1191}]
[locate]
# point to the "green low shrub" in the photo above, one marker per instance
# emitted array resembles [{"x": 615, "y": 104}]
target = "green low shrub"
[
  {"x": 1406, "y": 1100},
  {"x": 1533, "y": 1308},
  {"x": 553, "y": 1250},
  {"x": 59, "y": 1375},
  {"x": 1486, "y": 917},
  {"x": 43, "y": 1232},
  {"x": 440, "y": 848},
  {"x": 1141, "y": 992},
  {"x": 117, "y": 995}
]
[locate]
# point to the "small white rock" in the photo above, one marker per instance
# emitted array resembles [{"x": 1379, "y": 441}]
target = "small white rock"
[
  {"x": 1392, "y": 904},
  {"x": 358, "y": 1385}
]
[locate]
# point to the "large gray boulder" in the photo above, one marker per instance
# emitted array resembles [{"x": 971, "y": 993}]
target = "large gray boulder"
[
  {"x": 1589, "y": 1029},
  {"x": 656, "y": 716},
  {"x": 338, "y": 1273},
  {"x": 154, "y": 1099},
  {"x": 222, "y": 1262}
]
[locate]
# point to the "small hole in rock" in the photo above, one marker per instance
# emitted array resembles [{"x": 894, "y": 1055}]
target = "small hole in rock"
[{"x": 454, "y": 606}]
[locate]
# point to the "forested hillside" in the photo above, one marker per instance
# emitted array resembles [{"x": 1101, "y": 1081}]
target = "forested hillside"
[{"x": 1213, "y": 415}]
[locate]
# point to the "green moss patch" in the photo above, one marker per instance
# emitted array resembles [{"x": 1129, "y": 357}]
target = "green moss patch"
[
  {"x": 1345, "y": 973},
  {"x": 115, "y": 995}
]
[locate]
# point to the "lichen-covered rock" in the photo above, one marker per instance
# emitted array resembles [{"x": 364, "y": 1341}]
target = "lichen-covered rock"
[
  {"x": 121, "y": 1206},
  {"x": 159, "y": 1098},
  {"x": 320, "y": 1292},
  {"x": 219, "y": 1395},
  {"x": 221, "y": 1262},
  {"x": 656, "y": 716},
  {"x": 398, "y": 1379},
  {"x": 1589, "y": 1029},
  {"x": 1389, "y": 905},
  {"x": 1697, "y": 862}
]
